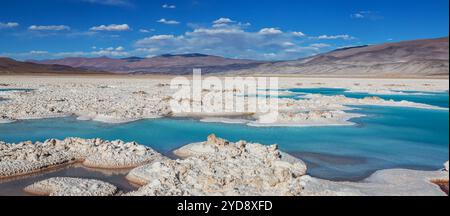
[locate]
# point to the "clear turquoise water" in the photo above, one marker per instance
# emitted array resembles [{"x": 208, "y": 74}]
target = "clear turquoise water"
[
  {"x": 14, "y": 89},
  {"x": 388, "y": 138},
  {"x": 432, "y": 98}
]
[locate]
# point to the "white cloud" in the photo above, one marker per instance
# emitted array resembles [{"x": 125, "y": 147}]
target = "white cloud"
[
  {"x": 8, "y": 25},
  {"x": 33, "y": 54},
  {"x": 146, "y": 30},
  {"x": 334, "y": 37},
  {"x": 357, "y": 16},
  {"x": 270, "y": 55},
  {"x": 168, "y": 6},
  {"x": 162, "y": 37},
  {"x": 112, "y": 27},
  {"x": 270, "y": 31},
  {"x": 147, "y": 50},
  {"x": 215, "y": 31},
  {"x": 223, "y": 20},
  {"x": 109, "y": 52},
  {"x": 49, "y": 28},
  {"x": 319, "y": 45},
  {"x": 168, "y": 22},
  {"x": 38, "y": 52},
  {"x": 232, "y": 40},
  {"x": 118, "y": 51},
  {"x": 288, "y": 44},
  {"x": 298, "y": 34},
  {"x": 366, "y": 15}
]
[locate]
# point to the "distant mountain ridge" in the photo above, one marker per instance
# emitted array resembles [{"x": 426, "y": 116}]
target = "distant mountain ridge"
[
  {"x": 163, "y": 64},
  {"x": 11, "y": 66}
]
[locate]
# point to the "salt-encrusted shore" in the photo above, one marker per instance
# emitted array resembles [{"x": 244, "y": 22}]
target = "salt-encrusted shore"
[
  {"x": 27, "y": 157},
  {"x": 71, "y": 187},
  {"x": 218, "y": 167},
  {"x": 392, "y": 182},
  {"x": 123, "y": 99},
  {"x": 214, "y": 167}
]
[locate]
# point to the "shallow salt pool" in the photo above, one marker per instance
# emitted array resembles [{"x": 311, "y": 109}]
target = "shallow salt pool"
[
  {"x": 14, "y": 89},
  {"x": 432, "y": 98},
  {"x": 389, "y": 137}
]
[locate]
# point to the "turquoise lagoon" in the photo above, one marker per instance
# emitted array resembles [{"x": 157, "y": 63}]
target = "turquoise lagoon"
[
  {"x": 433, "y": 98},
  {"x": 387, "y": 138}
]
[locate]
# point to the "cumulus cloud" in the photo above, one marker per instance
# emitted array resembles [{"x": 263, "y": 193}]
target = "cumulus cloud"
[
  {"x": 226, "y": 37},
  {"x": 270, "y": 31},
  {"x": 8, "y": 25},
  {"x": 168, "y": 22},
  {"x": 49, "y": 28},
  {"x": 112, "y": 27},
  {"x": 335, "y": 37},
  {"x": 168, "y": 6},
  {"x": 223, "y": 20}
]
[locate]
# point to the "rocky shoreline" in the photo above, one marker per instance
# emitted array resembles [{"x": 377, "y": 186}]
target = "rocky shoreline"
[{"x": 215, "y": 167}]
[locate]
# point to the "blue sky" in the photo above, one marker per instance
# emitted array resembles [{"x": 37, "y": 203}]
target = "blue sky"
[{"x": 253, "y": 29}]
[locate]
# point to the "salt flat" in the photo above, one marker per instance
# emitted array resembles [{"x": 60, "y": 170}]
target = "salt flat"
[{"x": 118, "y": 99}]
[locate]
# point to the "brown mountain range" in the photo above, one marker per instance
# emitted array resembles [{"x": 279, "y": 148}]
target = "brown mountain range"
[
  {"x": 428, "y": 57},
  {"x": 11, "y": 66},
  {"x": 164, "y": 64}
]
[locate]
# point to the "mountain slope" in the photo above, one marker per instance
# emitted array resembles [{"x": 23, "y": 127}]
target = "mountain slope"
[
  {"x": 10, "y": 66},
  {"x": 428, "y": 57},
  {"x": 166, "y": 64}
]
